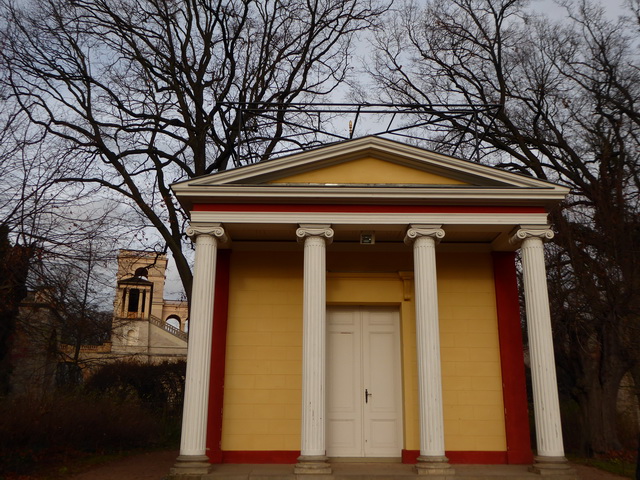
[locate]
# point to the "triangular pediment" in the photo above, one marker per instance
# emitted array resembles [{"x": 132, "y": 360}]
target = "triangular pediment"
[
  {"x": 370, "y": 165},
  {"x": 368, "y": 171}
]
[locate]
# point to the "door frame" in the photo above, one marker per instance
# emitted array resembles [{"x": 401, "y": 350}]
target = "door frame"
[{"x": 395, "y": 311}]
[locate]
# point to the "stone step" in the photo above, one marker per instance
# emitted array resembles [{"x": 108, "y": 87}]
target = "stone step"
[{"x": 380, "y": 471}]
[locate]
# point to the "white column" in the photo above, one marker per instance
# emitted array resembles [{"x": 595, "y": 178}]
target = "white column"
[
  {"x": 125, "y": 303},
  {"x": 432, "y": 460},
  {"x": 193, "y": 459},
  {"x": 141, "y": 300},
  {"x": 312, "y": 458},
  {"x": 543, "y": 371}
]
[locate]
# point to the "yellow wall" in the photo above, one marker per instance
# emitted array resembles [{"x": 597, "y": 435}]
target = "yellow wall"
[
  {"x": 262, "y": 399},
  {"x": 470, "y": 353},
  {"x": 263, "y": 366},
  {"x": 369, "y": 171}
]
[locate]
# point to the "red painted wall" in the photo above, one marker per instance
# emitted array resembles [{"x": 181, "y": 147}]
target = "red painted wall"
[
  {"x": 512, "y": 359},
  {"x": 218, "y": 351}
]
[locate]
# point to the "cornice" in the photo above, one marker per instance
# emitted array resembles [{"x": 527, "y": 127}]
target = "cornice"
[
  {"x": 374, "y": 195},
  {"x": 370, "y": 218}
]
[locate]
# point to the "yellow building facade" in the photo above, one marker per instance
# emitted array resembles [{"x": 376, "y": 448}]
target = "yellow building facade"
[
  {"x": 359, "y": 301},
  {"x": 264, "y": 343}
]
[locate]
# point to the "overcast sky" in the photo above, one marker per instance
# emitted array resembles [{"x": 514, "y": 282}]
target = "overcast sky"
[{"x": 551, "y": 8}]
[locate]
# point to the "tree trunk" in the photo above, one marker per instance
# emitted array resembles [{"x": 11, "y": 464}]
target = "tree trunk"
[{"x": 598, "y": 400}]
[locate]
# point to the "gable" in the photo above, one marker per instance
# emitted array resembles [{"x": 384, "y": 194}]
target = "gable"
[{"x": 367, "y": 171}]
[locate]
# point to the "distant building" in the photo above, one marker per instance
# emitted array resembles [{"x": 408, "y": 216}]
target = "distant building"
[
  {"x": 144, "y": 324},
  {"x": 145, "y": 327},
  {"x": 33, "y": 353}
]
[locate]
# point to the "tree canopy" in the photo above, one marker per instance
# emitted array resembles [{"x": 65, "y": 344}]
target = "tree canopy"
[
  {"x": 138, "y": 94},
  {"x": 569, "y": 93}
]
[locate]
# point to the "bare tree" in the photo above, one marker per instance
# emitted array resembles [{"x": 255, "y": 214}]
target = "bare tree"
[
  {"x": 67, "y": 318},
  {"x": 24, "y": 184},
  {"x": 14, "y": 265},
  {"x": 143, "y": 93},
  {"x": 569, "y": 93},
  {"x": 79, "y": 296}
]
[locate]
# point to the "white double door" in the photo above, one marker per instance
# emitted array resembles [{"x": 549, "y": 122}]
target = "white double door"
[{"x": 364, "y": 396}]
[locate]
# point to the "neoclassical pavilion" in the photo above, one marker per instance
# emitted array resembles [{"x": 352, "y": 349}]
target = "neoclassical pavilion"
[{"x": 359, "y": 301}]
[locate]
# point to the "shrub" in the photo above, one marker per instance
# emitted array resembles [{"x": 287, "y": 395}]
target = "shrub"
[
  {"x": 159, "y": 387},
  {"x": 36, "y": 429},
  {"x": 123, "y": 406}
]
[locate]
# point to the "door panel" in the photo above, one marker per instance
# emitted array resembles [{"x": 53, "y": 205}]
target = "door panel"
[
  {"x": 344, "y": 418},
  {"x": 363, "y": 346},
  {"x": 382, "y": 379}
]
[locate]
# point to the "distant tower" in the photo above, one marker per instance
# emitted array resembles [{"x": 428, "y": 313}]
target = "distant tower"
[
  {"x": 140, "y": 274},
  {"x": 143, "y": 322}
]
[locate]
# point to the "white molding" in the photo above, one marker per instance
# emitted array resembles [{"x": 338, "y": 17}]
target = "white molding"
[
  {"x": 382, "y": 193},
  {"x": 367, "y": 146},
  {"x": 371, "y": 218}
]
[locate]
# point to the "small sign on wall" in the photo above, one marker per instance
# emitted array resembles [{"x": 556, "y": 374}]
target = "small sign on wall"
[{"x": 367, "y": 238}]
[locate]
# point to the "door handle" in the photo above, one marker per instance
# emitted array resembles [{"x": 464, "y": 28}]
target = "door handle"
[{"x": 367, "y": 395}]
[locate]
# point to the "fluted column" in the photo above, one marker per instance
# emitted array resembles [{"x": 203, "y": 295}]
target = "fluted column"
[
  {"x": 546, "y": 407},
  {"x": 432, "y": 460},
  {"x": 313, "y": 458},
  {"x": 193, "y": 459}
]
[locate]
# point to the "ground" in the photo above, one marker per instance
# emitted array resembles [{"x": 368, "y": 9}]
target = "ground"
[{"x": 155, "y": 466}]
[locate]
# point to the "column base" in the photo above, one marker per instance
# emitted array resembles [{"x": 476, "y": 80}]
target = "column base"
[
  {"x": 435, "y": 466},
  {"x": 189, "y": 467},
  {"x": 557, "y": 467},
  {"x": 312, "y": 465}
]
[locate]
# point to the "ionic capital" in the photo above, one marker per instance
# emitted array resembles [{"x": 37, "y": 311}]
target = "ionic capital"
[
  {"x": 310, "y": 230},
  {"x": 212, "y": 229},
  {"x": 416, "y": 231},
  {"x": 520, "y": 234}
]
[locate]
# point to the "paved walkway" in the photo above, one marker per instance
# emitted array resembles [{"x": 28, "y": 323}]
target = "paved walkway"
[{"x": 155, "y": 466}]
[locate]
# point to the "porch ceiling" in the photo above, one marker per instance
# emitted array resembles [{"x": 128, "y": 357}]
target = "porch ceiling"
[{"x": 384, "y": 234}]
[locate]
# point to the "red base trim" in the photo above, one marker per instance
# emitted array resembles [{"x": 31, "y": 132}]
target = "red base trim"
[
  {"x": 475, "y": 458},
  {"x": 277, "y": 207},
  {"x": 275, "y": 456},
  {"x": 408, "y": 456}
]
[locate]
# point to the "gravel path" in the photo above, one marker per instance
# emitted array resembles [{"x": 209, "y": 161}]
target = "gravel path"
[{"x": 144, "y": 466}]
